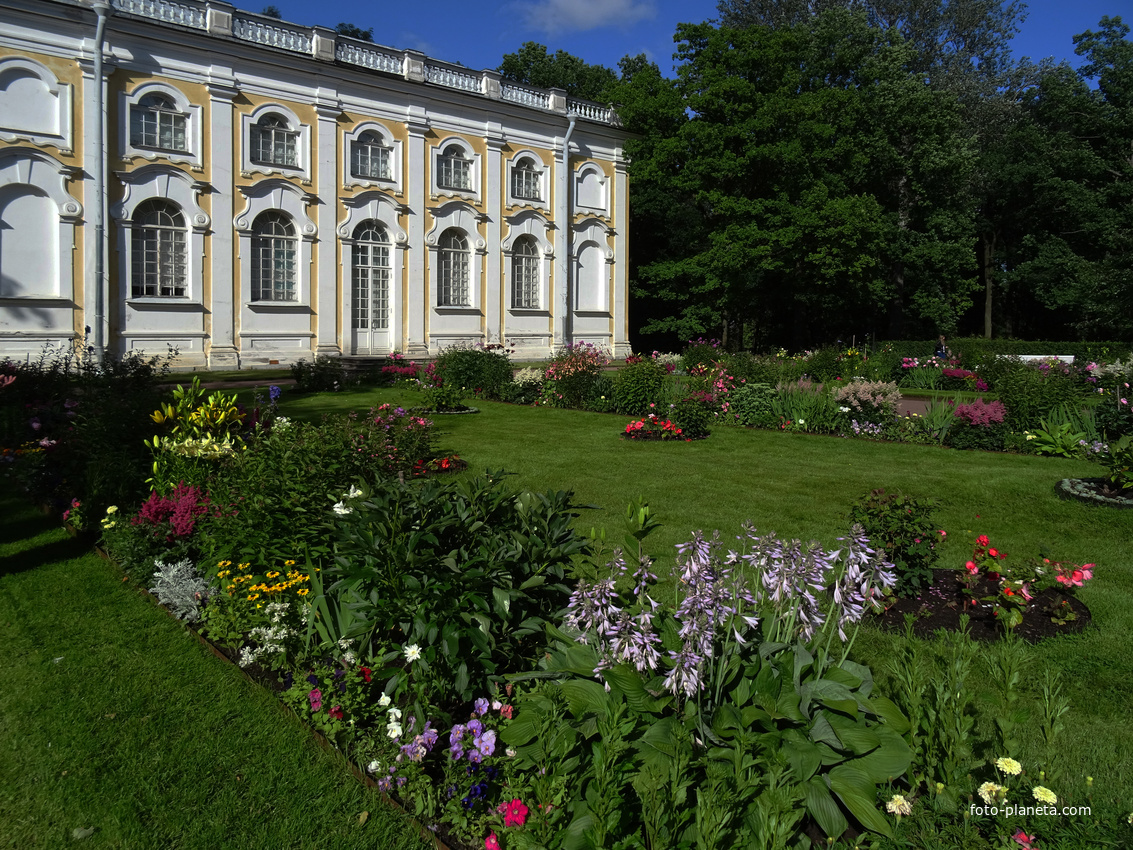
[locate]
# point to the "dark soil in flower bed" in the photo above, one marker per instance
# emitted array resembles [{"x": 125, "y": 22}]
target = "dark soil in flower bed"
[
  {"x": 456, "y": 411},
  {"x": 940, "y": 606},
  {"x": 655, "y": 436}
]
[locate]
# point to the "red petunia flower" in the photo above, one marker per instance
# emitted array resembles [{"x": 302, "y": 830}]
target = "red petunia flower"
[
  {"x": 515, "y": 814},
  {"x": 365, "y": 673},
  {"x": 336, "y": 713}
]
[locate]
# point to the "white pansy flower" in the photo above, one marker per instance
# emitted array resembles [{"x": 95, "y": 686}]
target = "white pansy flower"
[
  {"x": 384, "y": 700},
  {"x": 394, "y": 730},
  {"x": 373, "y": 766},
  {"x": 342, "y": 509}
]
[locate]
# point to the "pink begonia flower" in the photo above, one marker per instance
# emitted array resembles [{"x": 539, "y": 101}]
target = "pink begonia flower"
[
  {"x": 942, "y": 533},
  {"x": 971, "y": 567},
  {"x": 1026, "y": 593},
  {"x": 491, "y": 842}
]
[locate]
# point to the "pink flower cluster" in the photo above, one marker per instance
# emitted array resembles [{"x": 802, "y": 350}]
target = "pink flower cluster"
[
  {"x": 180, "y": 510},
  {"x": 982, "y": 413}
]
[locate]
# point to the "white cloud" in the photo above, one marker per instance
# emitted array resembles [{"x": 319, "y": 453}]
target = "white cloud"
[{"x": 555, "y": 17}]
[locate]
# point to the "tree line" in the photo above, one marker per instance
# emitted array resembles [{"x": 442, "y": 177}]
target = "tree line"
[{"x": 826, "y": 169}]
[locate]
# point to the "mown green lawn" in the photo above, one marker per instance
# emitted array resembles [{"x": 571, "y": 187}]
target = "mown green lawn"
[{"x": 113, "y": 717}]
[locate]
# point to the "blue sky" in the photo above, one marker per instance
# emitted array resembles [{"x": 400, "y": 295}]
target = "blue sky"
[{"x": 478, "y": 34}]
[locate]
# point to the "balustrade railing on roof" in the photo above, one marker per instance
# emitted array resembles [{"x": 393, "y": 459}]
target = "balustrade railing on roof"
[
  {"x": 589, "y": 110},
  {"x": 373, "y": 58},
  {"x": 164, "y": 10},
  {"x": 452, "y": 78},
  {"x": 273, "y": 35},
  {"x": 524, "y": 96}
]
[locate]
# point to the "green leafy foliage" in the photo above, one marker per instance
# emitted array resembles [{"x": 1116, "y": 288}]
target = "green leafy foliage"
[
  {"x": 905, "y": 528},
  {"x": 319, "y": 374},
  {"x": 638, "y": 385},
  {"x": 754, "y": 404},
  {"x": 467, "y": 570},
  {"x": 483, "y": 371}
]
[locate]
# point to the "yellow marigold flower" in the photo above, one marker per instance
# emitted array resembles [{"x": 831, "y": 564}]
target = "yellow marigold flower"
[
  {"x": 288, "y": 563},
  {"x": 1009, "y": 766},
  {"x": 224, "y": 564},
  {"x": 898, "y": 805},
  {"x": 222, "y": 574},
  {"x": 230, "y": 588},
  {"x": 990, "y": 792},
  {"x": 1044, "y": 795},
  {"x": 302, "y": 592},
  {"x": 273, "y": 574},
  {"x": 252, "y": 597}
]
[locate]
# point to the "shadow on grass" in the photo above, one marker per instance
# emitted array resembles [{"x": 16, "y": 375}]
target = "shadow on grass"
[{"x": 66, "y": 549}]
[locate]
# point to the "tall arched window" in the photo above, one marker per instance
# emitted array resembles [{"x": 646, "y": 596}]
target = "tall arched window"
[
  {"x": 452, "y": 272},
  {"x": 274, "y": 250},
  {"x": 158, "y": 268},
  {"x": 156, "y": 122},
  {"x": 371, "y": 276},
  {"x": 274, "y": 142},
  {"x": 525, "y": 274},
  {"x": 525, "y": 180},
  {"x": 369, "y": 157},
  {"x": 453, "y": 170}
]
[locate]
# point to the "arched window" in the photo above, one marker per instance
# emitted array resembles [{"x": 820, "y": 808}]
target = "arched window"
[
  {"x": 158, "y": 269},
  {"x": 525, "y": 180},
  {"x": 525, "y": 274},
  {"x": 452, "y": 273},
  {"x": 371, "y": 276},
  {"x": 274, "y": 142},
  {"x": 454, "y": 171},
  {"x": 274, "y": 250},
  {"x": 157, "y": 123},
  {"x": 370, "y": 158}
]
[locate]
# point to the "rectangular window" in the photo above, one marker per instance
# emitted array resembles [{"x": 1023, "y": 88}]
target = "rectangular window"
[
  {"x": 525, "y": 184},
  {"x": 454, "y": 280},
  {"x": 454, "y": 173},
  {"x": 273, "y": 269},
  {"x": 158, "y": 264},
  {"x": 370, "y": 161},
  {"x": 525, "y": 282},
  {"x": 274, "y": 146},
  {"x": 151, "y": 128}
]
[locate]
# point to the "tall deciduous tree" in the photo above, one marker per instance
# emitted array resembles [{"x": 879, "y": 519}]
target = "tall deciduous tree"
[
  {"x": 532, "y": 64},
  {"x": 813, "y": 163}
]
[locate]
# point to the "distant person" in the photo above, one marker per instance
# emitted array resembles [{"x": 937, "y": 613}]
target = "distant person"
[{"x": 942, "y": 349}]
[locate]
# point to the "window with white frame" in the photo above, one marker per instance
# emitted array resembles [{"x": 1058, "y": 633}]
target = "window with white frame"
[
  {"x": 274, "y": 253},
  {"x": 526, "y": 180},
  {"x": 371, "y": 255},
  {"x": 453, "y": 270},
  {"x": 158, "y": 268},
  {"x": 370, "y": 158},
  {"x": 525, "y": 274},
  {"x": 454, "y": 170},
  {"x": 273, "y": 142},
  {"x": 157, "y": 123}
]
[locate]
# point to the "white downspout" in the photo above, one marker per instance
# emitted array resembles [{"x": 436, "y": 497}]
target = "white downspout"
[
  {"x": 564, "y": 235},
  {"x": 104, "y": 10}
]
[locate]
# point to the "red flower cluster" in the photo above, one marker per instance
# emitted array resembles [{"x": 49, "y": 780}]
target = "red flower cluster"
[{"x": 652, "y": 425}]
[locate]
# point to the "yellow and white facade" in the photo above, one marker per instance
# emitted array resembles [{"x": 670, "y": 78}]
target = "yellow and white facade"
[{"x": 261, "y": 192}]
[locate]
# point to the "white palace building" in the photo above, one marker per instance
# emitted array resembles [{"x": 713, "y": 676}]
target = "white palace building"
[{"x": 250, "y": 192}]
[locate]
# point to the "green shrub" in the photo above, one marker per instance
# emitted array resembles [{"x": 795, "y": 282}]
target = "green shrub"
[
  {"x": 319, "y": 375},
  {"x": 637, "y": 385},
  {"x": 754, "y": 404},
  {"x": 825, "y": 365},
  {"x": 484, "y": 371},
  {"x": 1032, "y": 392},
  {"x": 692, "y": 415},
  {"x": 702, "y": 352},
  {"x": 600, "y": 398},
  {"x": 572, "y": 373},
  {"x": 466, "y": 569},
  {"x": 905, "y": 529},
  {"x": 526, "y": 387}
]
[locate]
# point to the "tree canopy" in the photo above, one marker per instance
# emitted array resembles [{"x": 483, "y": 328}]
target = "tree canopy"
[{"x": 533, "y": 65}]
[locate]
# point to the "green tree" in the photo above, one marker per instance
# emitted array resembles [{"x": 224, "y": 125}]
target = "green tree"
[
  {"x": 810, "y": 165},
  {"x": 353, "y": 31},
  {"x": 533, "y": 65},
  {"x": 272, "y": 12}
]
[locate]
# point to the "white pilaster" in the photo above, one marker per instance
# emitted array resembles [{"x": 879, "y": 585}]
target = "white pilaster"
[
  {"x": 223, "y": 353},
  {"x": 494, "y": 194},
  {"x": 96, "y": 293},
  {"x": 620, "y": 295},
  {"x": 416, "y": 300},
  {"x": 325, "y": 276}
]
